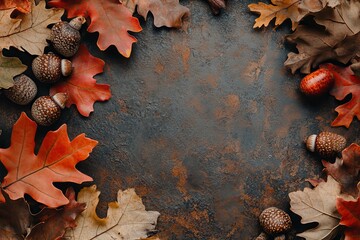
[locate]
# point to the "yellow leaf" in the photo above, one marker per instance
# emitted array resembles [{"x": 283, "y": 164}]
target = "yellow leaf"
[
  {"x": 126, "y": 218},
  {"x": 28, "y": 32}
]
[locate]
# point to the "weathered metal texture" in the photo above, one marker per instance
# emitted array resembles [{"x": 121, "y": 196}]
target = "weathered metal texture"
[{"x": 205, "y": 124}]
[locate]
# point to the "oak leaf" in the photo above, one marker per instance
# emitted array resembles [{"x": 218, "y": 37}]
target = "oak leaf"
[
  {"x": 345, "y": 83},
  {"x": 350, "y": 217},
  {"x": 166, "y": 13},
  {"x": 9, "y": 68},
  {"x": 28, "y": 32},
  {"x": 346, "y": 169},
  {"x": 55, "y": 162},
  {"x": 52, "y": 223},
  {"x": 23, "y": 6},
  {"x": 126, "y": 218},
  {"x": 335, "y": 38},
  {"x": 108, "y": 17},
  {"x": 318, "y": 205},
  {"x": 294, "y": 10},
  {"x": 81, "y": 87}
]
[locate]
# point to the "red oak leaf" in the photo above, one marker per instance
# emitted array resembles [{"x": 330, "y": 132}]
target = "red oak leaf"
[
  {"x": 81, "y": 87},
  {"x": 345, "y": 83},
  {"x": 54, "y": 222},
  {"x": 108, "y": 17},
  {"x": 350, "y": 212},
  {"x": 55, "y": 162},
  {"x": 23, "y": 6}
]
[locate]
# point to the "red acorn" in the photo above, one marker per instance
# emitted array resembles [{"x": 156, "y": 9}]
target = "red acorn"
[
  {"x": 326, "y": 144},
  {"x": 317, "y": 83}
]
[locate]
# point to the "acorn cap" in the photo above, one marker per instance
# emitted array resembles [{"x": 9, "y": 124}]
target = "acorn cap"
[
  {"x": 77, "y": 22},
  {"x": 23, "y": 91},
  {"x": 45, "y": 111},
  {"x": 66, "y": 67},
  {"x": 60, "y": 99},
  {"x": 47, "y": 68},
  {"x": 275, "y": 221},
  {"x": 326, "y": 144}
]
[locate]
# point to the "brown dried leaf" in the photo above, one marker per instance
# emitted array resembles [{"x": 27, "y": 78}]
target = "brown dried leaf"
[
  {"x": 126, "y": 218},
  {"x": 9, "y": 68},
  {"x": 28, "y": 32},
  {"x": 295, "y": 10},
  {"x": 318, "y": 205}
]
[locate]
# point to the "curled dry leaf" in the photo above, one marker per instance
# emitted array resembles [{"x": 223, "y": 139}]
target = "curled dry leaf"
[
  {"x": 55, "y": 162},
  {"x": 166, "y": 13},
  {"x": 81, "y": 87},
  {"x": 108, "y": 17},
  {"x": 126, "y": 218},
  {"x": 9, "y": 68},
  {"x": 318, "y": 205},
  {"x": 338, "y": 41},
  {"x": 23, "y": 6},
  {"x": 28, "y": 32},
  {"x": 294, "y": 10},
  {"x": 345, "y": 83},
  {"x": 346, "y": 169}
]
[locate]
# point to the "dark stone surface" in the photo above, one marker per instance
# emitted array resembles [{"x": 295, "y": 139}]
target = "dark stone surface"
[{"x": 205, "y": 124}]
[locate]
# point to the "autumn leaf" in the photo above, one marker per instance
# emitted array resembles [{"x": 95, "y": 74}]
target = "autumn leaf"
[
  {"x": 108, "y": 17},
  {"x": 55, "y": 162},
  {"x": 28, "y": 32},
  {"x": 23, "y": 6},
  {"x": 126, "y": 218},
  {"x": 294, "y": 10},
  {"x": 346, "y": 169},
  {"x": 335, "y": 38},
  {"x": 345, "y": 83},
  {"x": 9, "y": 68},
  {"x": 318, "y": 205},
  {"x": 15, "y": 218},
  {"x": 349, "y": 209},
  {"x": 52, "y": 223},
  {"x": 166, "y": 13},
  {"x": 81, "y": 87}
]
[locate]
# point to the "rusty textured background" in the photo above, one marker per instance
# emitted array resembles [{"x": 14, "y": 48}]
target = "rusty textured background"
[{"x": 204, "y": 123}]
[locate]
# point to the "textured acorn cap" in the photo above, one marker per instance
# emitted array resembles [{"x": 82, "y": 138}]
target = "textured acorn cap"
[
  {"x": 66, "y": 67},
  {"x": 23, "y": 91},
  {"x": 275, "y": 221},
  {"x": 329, "y": 144},
  {"x": 77, "y": 22},
  {"x": 45, "y": 111},
  {"x": 47, "y": 68}
]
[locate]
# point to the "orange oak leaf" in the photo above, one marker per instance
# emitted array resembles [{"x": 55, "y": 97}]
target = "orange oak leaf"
[
  {"x": 23, "y": 6},
  {"x": 81, "y": 87},
  {"x": 350, "y": 217},
  {"x": 345, "y": 83},
  {"x": 55, "y": 162},
  {"x": 108, "y": 17}
]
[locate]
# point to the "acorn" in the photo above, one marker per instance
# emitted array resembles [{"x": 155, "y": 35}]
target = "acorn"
[
  {"x": 317, "y": 83},
  {"x": 48, "y": 68},
  {"x": 23, "y": 91},
  {"x": 275, "y": 222},
  {"x": 46, "y": 110},
  {"x": 65, "y": 36},
  {"x": 327, "y": 144}
]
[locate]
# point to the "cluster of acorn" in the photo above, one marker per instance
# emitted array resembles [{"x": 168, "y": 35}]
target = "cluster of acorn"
[{"x": 49, "y": 68}]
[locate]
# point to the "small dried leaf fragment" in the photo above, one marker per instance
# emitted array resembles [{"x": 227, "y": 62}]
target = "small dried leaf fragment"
[
  {"x": 126, "y": 218},
  {"x": 318, "y": 205},
  {"x": 295, "y": 10},
  {"x": 52, "y": 223},
  {"x": 108, "y": 17},
  {"x": 55, "y": 162},
  {"x": 9, "y": 68},
  {"x": 166, "y": 13},
  {"x": 28, "y": 32},
  {"x": 23, "y": 6},
  {"x": 81, "y": 87}
]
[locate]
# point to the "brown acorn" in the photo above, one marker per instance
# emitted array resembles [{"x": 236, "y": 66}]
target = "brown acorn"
[
  {"x": 46, "y": 110},
  {"x": 326, "y": 144},
  {"x": 48, "y": 68},
  {"x": 65, "y": 36},
  {"x": 275, "y": 222},
  {"x": 23, "y": 91},
  {"x": 317, "y": 83}
]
